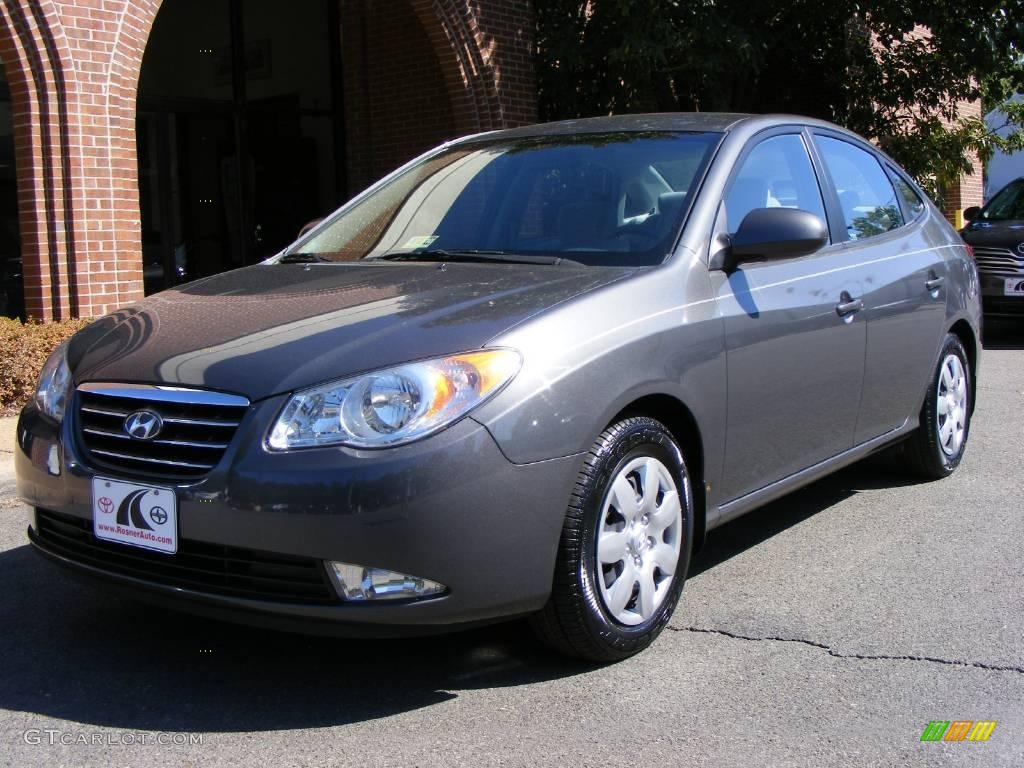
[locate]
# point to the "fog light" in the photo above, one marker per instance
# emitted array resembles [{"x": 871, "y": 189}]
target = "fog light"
[{"x": 359, "y": 582}]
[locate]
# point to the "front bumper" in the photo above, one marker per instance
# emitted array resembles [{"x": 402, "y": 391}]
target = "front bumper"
[
  {"x": 450, "y": 508},
  {"x": 994, "y": 301}
]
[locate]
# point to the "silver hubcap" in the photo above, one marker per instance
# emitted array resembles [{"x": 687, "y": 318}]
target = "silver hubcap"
[
  {"x": 952, "y": 405},
  {"x": 638, "y": 540}
]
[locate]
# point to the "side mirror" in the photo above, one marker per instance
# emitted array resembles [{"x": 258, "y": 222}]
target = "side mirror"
[
  {"x": 777, "y": 233},
  {"x": 970, "y": 214}
]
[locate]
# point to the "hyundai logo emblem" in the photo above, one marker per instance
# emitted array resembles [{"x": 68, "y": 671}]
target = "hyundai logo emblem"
[
  {"x": 143, "y": 425},
  {"x": 1020, "y": 249}
]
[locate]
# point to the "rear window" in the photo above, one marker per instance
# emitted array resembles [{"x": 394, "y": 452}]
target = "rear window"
[
  {"x": 912, "y": 201},
  {"x": 866, "y": 196}
]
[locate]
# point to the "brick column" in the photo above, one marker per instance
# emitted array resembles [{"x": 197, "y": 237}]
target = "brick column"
[{"x": 73, "y": 67}]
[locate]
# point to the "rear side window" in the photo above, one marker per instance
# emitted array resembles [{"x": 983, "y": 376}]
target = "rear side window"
[
  {"x": 912, "y": 201},
  {"x": 866, "y": 196},
  {"x": 776, "y": 174}
]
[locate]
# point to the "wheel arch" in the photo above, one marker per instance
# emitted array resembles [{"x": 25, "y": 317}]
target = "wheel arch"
[
  {"x": 963, "y": 331},
  {"x": 680, "y": 421}
]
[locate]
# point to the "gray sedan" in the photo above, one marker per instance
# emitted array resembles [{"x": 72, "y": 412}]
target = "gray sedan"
[{"x": 523, "y": 375}]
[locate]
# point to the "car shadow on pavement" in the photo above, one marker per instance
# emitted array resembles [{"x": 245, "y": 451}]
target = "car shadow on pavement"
[
  {"x": 75, "y": 653},
  {"x": 761, "y": 524}
]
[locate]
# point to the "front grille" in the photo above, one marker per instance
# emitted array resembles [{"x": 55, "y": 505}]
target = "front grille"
[
  {"x": 210, "y": 568},
  {"x": 197, "y": 427},
  {"x": 998, "y": 261}
]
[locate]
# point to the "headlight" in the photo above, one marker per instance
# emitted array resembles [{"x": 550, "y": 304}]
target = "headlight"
[
  {"x": 54, "y": 384},
  {"x": 395, "y": 405}
]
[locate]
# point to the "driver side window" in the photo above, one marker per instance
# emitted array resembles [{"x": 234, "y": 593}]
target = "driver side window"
[{"x": 776, "y": 174}]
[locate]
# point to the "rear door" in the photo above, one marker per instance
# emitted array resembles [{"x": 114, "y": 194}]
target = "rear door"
[
  {"x": 795, "y": 363},
  {"x": 904, "y": 278}
]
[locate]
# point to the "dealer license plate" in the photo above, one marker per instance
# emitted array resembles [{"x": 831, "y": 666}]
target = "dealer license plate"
[{"x": 143, "y": 516}]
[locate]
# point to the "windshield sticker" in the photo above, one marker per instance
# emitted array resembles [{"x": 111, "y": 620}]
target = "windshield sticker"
[{"x": 419, "y": 242}]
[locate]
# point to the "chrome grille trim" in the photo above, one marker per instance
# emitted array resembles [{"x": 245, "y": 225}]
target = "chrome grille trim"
[
  {"x": 164, "y": 394},
  {"x": 202, "y": 422},
  {"x": 124, "y": 414},
  {"x": 183, "y": 443},
  {"x": 998, "y": 261},
  {"x": 187, "y": 464},
  {"x": 198, "y": 426}
]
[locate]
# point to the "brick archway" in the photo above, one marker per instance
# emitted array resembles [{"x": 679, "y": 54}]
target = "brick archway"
[
  {"x": 73, "y": 71},
  {"x": 485, "y": 52}
]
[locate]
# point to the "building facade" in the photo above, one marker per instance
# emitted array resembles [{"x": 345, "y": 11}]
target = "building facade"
[{"x": 143, "y": 143}]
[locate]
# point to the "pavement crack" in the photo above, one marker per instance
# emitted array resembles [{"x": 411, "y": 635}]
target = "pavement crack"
[{"x": 840, "y": 655}]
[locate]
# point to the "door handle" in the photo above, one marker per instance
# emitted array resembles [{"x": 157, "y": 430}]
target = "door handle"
[
  {"x": 848, "y": 305},
  {"x": 934, "y": 283}
]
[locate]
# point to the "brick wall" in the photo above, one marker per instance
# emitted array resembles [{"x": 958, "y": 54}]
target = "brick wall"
[
  {"x": 434, "y": 69},
  {"x": 419, "y": 72},
  {"x": 396, "y": 97}
]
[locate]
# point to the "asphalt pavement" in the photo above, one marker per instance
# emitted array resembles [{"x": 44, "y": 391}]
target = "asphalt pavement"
[{"x": 826, "y": 629}]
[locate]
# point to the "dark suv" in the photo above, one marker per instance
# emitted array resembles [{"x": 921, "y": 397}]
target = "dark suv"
[{"x": 996, "y": 232}]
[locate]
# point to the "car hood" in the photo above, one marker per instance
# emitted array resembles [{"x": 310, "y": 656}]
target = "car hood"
[
  {"x": 268, "y": 329},
  {"x": 995, "y": 234}
]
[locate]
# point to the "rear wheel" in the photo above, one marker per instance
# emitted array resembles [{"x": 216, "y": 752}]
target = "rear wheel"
[
  {"x": 625, "y": 546},
  {"x": 936, "y": 447}
]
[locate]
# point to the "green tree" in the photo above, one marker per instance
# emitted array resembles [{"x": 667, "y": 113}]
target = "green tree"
[{"x": 894, "y": 70}]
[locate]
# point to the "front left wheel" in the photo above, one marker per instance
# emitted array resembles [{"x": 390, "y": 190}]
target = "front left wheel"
[{"x": 625, "y": 545}]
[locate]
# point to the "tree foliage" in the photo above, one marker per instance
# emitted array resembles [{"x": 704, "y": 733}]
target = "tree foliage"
[{"x": 897, "y": 71}]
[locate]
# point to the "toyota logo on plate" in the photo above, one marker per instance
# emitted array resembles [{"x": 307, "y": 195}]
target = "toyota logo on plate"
[{"x": 143, "y": 425}]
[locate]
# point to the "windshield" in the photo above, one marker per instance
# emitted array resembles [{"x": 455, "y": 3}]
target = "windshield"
[
  {"x": 597, "y": 199},
  {"x": 1007, "y": 204}
]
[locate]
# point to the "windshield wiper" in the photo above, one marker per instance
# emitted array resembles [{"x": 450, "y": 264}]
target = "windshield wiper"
[
  {"x": 302, "y": 258},
  {"x": 440, "y": 254}
]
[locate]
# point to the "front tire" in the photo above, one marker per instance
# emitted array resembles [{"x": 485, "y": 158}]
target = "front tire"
[
  {"x": 935, "y": 449},
  {"x": 625, "y": 546}
]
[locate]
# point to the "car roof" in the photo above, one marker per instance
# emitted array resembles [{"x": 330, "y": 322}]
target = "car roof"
[{"x": 716, "y": 122}]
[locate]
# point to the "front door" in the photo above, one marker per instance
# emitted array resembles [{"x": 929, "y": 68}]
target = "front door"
[{"x": 795, "y": 364}]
